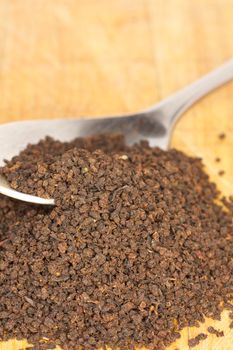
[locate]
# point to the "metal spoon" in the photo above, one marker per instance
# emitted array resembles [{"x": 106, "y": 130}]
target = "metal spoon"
[{"x": 154, "y": 124}]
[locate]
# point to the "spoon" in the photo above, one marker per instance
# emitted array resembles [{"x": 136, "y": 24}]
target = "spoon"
[{"x": 155, "y": 124}]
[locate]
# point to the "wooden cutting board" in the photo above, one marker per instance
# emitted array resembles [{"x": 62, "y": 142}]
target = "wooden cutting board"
[{"x": 69, "y": 58}]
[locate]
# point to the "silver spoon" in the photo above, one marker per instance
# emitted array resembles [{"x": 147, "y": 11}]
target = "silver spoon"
[{"x": 154, "y": 124}]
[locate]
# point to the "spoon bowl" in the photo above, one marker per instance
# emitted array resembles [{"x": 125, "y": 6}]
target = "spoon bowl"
[{"x": 154, "y": 124}]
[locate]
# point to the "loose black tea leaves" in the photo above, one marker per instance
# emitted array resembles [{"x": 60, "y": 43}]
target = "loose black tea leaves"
[
  {"x": 218, "y": 333},
  {"x": 221, "y": 172},
  {"x": 222, "y": 136},
  {"x": 196, "y": 341},
  {"x": 135, "y": 249}
]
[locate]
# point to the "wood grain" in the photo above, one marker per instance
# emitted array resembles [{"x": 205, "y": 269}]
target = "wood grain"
[{"x": 68, "y": 58}]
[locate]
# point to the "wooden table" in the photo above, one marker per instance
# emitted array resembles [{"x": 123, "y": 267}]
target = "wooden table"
[{"x": 68, "y": 58}]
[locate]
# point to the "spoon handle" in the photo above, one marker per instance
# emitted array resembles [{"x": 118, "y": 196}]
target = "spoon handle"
[{"x": 179, "y": 102}]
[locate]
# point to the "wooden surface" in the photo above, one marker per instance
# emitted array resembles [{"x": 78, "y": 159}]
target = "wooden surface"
[{"x": 68, "y": 58}]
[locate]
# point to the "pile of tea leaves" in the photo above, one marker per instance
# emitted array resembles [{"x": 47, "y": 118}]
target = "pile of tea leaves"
[{"x": 135, "y": 249}]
